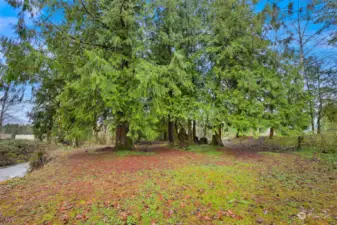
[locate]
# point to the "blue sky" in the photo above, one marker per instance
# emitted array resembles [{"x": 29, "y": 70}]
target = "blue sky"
[{"x": 7, "y": 19}]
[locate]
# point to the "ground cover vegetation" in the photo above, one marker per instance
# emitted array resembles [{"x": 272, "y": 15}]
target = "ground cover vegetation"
[{"x": 231, "y": 186}]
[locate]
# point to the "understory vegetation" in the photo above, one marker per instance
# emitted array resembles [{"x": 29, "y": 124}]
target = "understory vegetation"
[
  {"x": 200, "y": 185},
  {"x": 17, "y": 151}
]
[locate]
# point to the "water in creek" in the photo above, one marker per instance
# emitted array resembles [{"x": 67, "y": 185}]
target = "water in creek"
[{"x": 9, "y": 172}]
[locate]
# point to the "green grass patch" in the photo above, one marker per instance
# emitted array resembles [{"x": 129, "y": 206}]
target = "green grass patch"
[
  {"x": 228, "y": 190},
  {"x": 205, "y": 149},
  {"x": 284, "y": 141},
  {"x": 329, "y": 158},
  {"x": 125, "y": 153},
  {"x": 275, "y": 154}
]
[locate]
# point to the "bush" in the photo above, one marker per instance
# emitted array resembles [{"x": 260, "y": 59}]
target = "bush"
[
  {"x": 39, "y": 159},
  {"x": 17, "y": 151}
]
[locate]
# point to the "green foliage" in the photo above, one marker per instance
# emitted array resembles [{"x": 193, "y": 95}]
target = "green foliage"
[
  {"x": 330, "y": 111},
  {"x": 139, "y": 64},
  {"x": 38, "y": 159}
]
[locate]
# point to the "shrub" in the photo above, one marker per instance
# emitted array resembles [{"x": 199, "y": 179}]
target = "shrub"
[
  {"x": 17, "y": 151},
  {"x": 39, "y": 159}
]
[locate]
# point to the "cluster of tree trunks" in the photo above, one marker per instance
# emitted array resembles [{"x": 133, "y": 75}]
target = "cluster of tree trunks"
[
  {"x": 180, "y": 137},
  {"x": 175, "y": 136}
]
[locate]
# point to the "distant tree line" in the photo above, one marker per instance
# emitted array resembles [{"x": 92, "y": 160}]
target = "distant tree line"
[{"x": 15, "y": 129}]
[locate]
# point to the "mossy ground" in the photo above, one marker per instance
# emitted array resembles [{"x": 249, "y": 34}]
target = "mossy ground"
[{"x": 202, "y": 185}]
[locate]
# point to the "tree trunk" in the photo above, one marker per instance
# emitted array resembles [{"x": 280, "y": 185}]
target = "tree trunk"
[
  {"x": 170, "y": 131},
  {"x": 175, "y": 134},
  {"x": 216, "y": 138},
  {"x": 183, "y": 138},
  {"x": 165, "y": 136},
  {"x": 205, "y": 127},
  {"x": 96, "y": 137},
  {"x": 318, "y": 124},
  {"x": 271, "y": 133},
  {"x": 299, "y": 142},
  {"x": 194, "y": 131},
  {"x": 49, "y": 137},
  {"x": 122, "y": 141},
  {"x": 220, "y": 135},
  {"x": 190, "y": 133},
  {"x": 320, "y": 107},
  {"x": 3, "y": 105},
  {"x": 75, "y": 142},
  {"x": 312, "y": 117}
]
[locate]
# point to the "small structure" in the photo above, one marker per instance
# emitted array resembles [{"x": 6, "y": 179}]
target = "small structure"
[{"x": 24, "y": 137}]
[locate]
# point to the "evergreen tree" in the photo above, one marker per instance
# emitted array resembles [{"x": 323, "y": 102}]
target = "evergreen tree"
[{"x": 137, "y": 65}]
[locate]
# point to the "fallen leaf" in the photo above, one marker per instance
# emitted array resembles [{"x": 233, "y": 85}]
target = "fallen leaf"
[
  {"x": 302, "y": 215},
  {"x": 207, "y": 218},
  {"x": 123, "y": 215},
  {"x": 79, "y": 217},
  {"x": 65, "y": 219},
  {"x": 259, "y": 220}
]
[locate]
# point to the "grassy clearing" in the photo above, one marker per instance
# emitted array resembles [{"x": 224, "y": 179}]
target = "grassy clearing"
[{"x": 197, "y": 186}]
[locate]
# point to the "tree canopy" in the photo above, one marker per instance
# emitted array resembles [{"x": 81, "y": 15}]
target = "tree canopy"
[{"x": 148, "y": 69}]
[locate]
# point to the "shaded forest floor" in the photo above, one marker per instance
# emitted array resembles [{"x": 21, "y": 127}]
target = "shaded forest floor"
[{"x": 201, "y": 185}]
